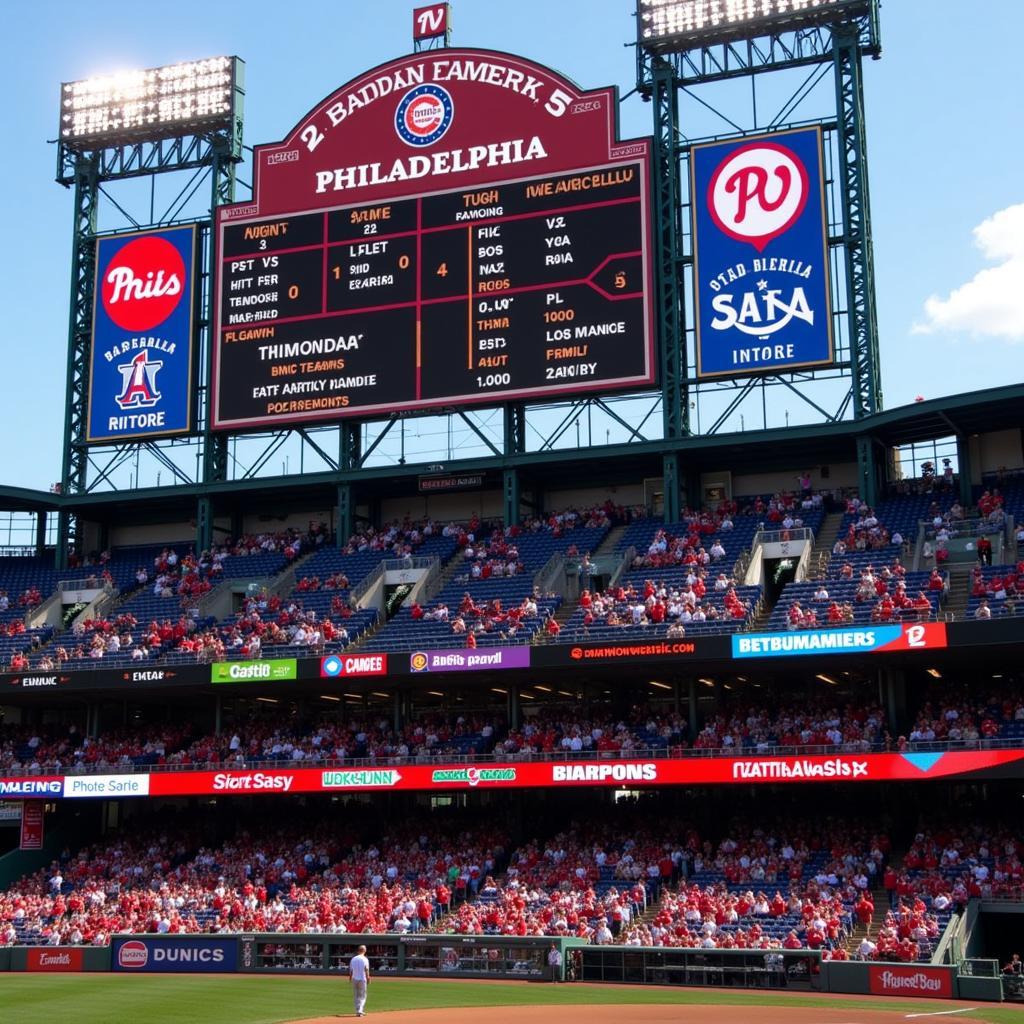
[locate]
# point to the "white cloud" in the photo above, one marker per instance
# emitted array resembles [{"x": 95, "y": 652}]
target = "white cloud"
[{"x": 991, "y": 304}]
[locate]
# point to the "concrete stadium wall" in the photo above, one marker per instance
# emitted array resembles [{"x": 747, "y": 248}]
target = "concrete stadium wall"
[
  {"x": 444, "y": 508},
  {"x": 840, "y": 474},
  {"x": 993, "y": 451}
]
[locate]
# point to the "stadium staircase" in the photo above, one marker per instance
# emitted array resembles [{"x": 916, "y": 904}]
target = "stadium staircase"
[
  {"x": 610, "y": 543},
  {"x": 821, "y": 553},
  {"x": 959, "y": 593},
  {"x": 881, "y": 900}
]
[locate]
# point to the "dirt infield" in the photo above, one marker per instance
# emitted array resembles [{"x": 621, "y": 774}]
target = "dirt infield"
[{"x": 665, "y": 1014}]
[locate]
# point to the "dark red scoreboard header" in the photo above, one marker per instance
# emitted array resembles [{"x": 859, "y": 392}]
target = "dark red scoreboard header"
[{"x": 459, "y": 226}]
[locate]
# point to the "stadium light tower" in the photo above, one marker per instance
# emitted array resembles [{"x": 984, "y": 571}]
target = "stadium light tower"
[{"x": 177, "y": 117}]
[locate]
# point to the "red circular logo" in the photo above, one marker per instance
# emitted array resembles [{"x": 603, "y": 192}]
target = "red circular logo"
[
  {"x": 424, "y": 115},
  {"x": 143, "y": 283},
  {"x": 133, "y": 954}
]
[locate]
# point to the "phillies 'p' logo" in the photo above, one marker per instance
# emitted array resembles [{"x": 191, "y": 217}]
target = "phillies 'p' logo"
[
  {"x": 143, "y": 284},
  {"x": 758, "y": 192}
]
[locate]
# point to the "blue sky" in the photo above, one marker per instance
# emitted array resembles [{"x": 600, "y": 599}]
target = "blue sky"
[{"x": 945, "y": 150}]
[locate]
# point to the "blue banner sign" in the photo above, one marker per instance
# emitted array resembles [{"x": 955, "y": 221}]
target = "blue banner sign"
[
  {"x": 760, "y": 255},
  {"x": 140, "y": 368}
]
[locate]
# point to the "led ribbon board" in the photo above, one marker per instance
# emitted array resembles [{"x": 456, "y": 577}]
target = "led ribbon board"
[
  {"x": 666, "y": 26},
  {"x": 760, "y": 255},
  {"x": 450, "y": 228}
]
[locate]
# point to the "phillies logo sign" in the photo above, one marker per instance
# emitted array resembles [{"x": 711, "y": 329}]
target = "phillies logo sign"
[
  {"x": 430, "y": 22},
  {"x": 758, "y": 193},
  {"x": 424, "y": 115},
  {"x": 143, "y": 284}
]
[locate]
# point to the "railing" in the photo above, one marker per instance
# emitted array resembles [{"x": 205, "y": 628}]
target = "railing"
[
  {"x": 544, "y": 578},
  {"x": 368, "y": 582},
  {"x": 624, "y": 564},
  {"x": 798, "y": 533},
  {"x": 84, "y": 584},
  {"x": 551, "y": 757}
]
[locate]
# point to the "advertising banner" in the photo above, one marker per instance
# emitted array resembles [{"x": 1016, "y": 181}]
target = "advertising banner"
[
  {"x": 32, "y": 825},
  {"x": 54, "y": 959},
  {"x": 839, "y": 767},
  {"x": 38, "y": 787},
  {"x": 917, "y": 980},
  {"x": 140, "y": 365},
  {"x": 79, "y": 786},
  {"x": 270, "y": 670},
  {"x": 630, "y": 650},
  {"x": 465, "y": 659},
  {"x": 917, "y": 636},
  {"x": 350, "y": 665},
  {"x": 760, "y": 255},
  {"x": 174, "y": 955}
]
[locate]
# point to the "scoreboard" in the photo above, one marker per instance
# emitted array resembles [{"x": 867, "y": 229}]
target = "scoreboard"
[{"x": 525, "y": 288}]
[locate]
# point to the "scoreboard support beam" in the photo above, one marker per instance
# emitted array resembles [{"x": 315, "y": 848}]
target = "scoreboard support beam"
[
  {"x": 858, "y": 250},
  {"x": 343, "y": 528},
  {"x": 964, "y": 469},
  {"x": 867, "y": 469},
  {"x": 660, "y": 78},
  {"x": 510, "y": 491},
  {"x": 204, "y": 525},
  {"x": 74, "y": 471},
  {"x": 670, "y": 485}
]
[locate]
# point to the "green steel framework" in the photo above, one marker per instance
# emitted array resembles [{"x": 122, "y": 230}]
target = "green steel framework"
[
  {"x": 87, "y": 171},
  {"x": 660, "y": 78}
]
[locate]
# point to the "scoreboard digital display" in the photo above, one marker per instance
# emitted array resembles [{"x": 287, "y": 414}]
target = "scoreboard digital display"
[
  {"x": 527, "y": 287},
  {"x": 507, "y": 287}
]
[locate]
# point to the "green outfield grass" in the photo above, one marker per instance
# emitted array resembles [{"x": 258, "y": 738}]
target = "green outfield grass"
[{"x": 191, "y": 999}]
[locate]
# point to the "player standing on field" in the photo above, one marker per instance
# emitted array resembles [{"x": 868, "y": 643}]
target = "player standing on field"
[{"x": 359, "y": 978}]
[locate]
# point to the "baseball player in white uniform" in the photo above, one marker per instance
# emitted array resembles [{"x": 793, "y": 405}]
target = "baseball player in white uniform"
[{"x": 359, "y": 978}]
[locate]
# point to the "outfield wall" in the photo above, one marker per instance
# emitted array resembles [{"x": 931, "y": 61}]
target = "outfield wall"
[{"x": 509, "y": 957}]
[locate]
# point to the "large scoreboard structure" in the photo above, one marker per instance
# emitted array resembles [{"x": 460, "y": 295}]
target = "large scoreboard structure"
[
  {"x": 460, "y": 236},
  {"x": 458, "y": 227}
]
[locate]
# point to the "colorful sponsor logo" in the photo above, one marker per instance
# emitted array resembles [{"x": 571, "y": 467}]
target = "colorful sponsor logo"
[
  {"x": 144, "y": 283},
  {"x": 935, "y": 982},
  {"x": 473, "y": 776},
  {"x": 106, "y": 785},
  {"x": 133, "y": 955},
  {"x": 424, "y": 115},
  {"x": 469, "y": 659},
  {"x": 254, "y": 671},
  {"x": 31, "y": 787},
  {"x": 908, "y": 637},
  {"x": 604, "y": 773},
  {"x": 176, "y": 955},
  {"x": 362, "y": 778},
  {"x": 353, "y": 665},
  {"x": 55, "y": 959},
  {"x": 429, "y": 22}
]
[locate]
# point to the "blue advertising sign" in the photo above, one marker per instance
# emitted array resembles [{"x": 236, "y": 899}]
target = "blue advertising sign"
[
  {"x": 140, "y": 368},
  {"x": 174, "y": 954},
  {"x": 761, "y": 255}
]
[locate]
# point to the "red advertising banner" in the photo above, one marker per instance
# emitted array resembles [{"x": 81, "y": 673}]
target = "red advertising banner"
[
  {"x": 917, "y": 981},
  {"x": 32, "y": 825},
  {"x": 54, "y": 958},
  {"x": 518, "y": 775}
]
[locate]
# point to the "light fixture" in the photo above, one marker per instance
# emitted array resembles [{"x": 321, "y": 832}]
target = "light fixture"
[
  {"x": 673, "y": 25},
  {"x": 527, "y": 696},
  {"x": 706, "y": 682},
  {"x": 434, "y": 693},
  {"x": 566, "y": 693},
  {"x": 660, "y": 686},
  {"x": 354, "y": 696},
  {"x": 268, "y": 700},
  {"x": 327, "y": 696},
  {"x": 376, "y": 693},
  {"x": 934, "y": 673},
  {"x": 197, "y": 95},
  {"x": 543, "y": 689},
  {"x": 827, "y": 679},
  {"x": 498, "y": 689}
]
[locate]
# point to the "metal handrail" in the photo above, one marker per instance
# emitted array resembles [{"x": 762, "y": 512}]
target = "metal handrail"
[{"x": 556, "y": 757}]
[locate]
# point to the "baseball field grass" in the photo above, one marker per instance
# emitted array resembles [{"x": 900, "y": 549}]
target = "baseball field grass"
[{"x": 226, "y": 999}]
